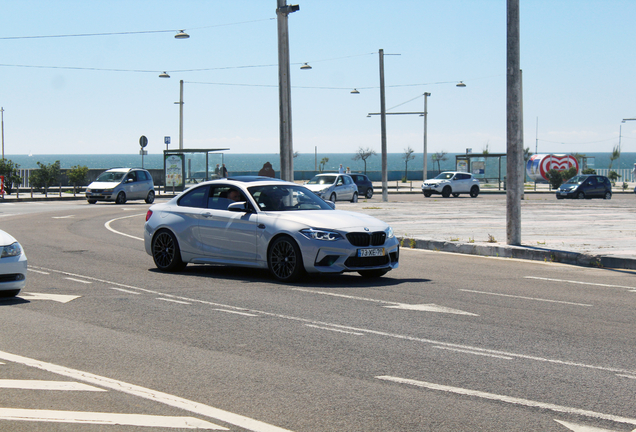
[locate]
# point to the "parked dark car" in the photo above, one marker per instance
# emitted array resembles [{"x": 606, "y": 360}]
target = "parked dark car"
[
  {"x": 586, "y": 186},
  {"x": 365, "y": 187}
]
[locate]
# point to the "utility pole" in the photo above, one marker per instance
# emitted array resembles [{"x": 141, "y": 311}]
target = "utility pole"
[
  {"x": 180, "y": 115},
  {"x": 284, "y": 92},
  {"x": 425, "y": 153},
  {"x": 514, "y": 163},
  {"x": 2, "y": 121},
  {"x": 385, "y": 175}
]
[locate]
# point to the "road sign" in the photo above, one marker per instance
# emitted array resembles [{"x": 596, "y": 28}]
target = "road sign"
[
  {"x": 143, "y": 141},
  {"x": 166, "y": 140}
]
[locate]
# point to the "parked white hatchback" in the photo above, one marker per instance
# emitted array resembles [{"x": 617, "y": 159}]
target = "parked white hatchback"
[
  {"x": 451, "y": 183},
  {"x": 13, "y": 266}
]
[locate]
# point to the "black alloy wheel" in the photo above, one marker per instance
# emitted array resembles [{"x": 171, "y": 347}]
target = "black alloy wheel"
[
  {"x": 166, "y": 253},
  {"x": 284, "y": 259}
]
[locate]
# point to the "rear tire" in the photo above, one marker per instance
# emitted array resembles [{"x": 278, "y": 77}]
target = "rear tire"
[
  {"x": 608, "y": 195},
  {"x": 455, "y": 195},
  {"x": 284, "y": 260},
  {"x": 369, "y": 193},
  {"x": 151, "y": 197},
  {"x": 166, "y": 253},
  {"x": 355, "y": 197},
  {"x": 474, "y": 191},
  {"x": 92, "y": 201}
]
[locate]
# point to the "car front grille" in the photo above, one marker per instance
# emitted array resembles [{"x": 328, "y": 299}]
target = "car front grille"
[
  {"x": 363, "y": 239},
  {"x": 356, "y": 262}
]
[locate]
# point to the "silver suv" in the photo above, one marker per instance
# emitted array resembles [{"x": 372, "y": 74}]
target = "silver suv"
[{"x": 120, "y": 185}]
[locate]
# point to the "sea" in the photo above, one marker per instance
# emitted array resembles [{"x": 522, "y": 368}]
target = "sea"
[{"x": 243, "y": 162}]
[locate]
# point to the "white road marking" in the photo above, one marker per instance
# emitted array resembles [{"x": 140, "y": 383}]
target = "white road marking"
[
  {"x": 393, "y": 305},
  {"x": 53, "y": 297},
  {"x": 146, "y": 393},
  {"x": 125, "y": 290},
  {"x": 526, "y": 298},
  {"x": 78, "y": 280},
  {"x": 474, "y": 352},
  {"x": 510, "y": 400},
  {"x": 38, "y": 271},
  {"x": 334, "y": 330},
  {"x": 63, "y": 217},
  {"x": 106, "y": 419},
  {"x": 580, "y": 283},
  {"x": 367, "y": 331},
  {"x": 627, "y": 376},
  {"x": 582, "y": 428},
  {"x": 235, "y": 312},
  {"x": 108, "y": 227},
  {"x": 47, "y": 385},
  {"x": 173, "y": 301}
]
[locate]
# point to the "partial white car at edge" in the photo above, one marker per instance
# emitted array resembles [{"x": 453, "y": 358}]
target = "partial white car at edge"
[{"x": 13, "y": 266}]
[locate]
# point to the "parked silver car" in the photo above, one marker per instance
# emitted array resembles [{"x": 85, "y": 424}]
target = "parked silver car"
[
  {"x": 121, "y": 185},
  {"x": 451, "y": 183},
  {"x": 334, "y": 187},
  {"x": 276, "y": 225},
  {"x": 13, "y": 266}
]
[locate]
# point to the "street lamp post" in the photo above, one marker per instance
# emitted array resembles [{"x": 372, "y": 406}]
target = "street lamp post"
[
  {"x": 425, "y": 152},
  {"x": 180, "y": 103},
  {"x": 2, "y": 121}
]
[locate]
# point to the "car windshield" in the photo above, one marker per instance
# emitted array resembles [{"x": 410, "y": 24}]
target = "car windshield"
[
  {"x": 286, "y": 198},
  {"x": 323, "y": 180},
  {"x": 111, "y": 176},
  {"x": 445, "y": 176},
  {"x": 577, "y": 179}
]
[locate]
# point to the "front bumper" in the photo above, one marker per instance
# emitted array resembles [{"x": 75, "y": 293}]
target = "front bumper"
[
  {"x": 334, "y": 259},
  {"x": 99, "y": 196},
  {"x": 13, "y": 273}
]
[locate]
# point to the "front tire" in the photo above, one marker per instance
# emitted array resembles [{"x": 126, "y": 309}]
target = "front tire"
[
  {"x": 121, "y": 198},
  {"x": 446, "y": 192},
  {"x": 355, "y": 197},
  {"x": 580, "y": 195},
  {"x": 166, "y": 253},
  {"x": 151, "y": 197},
  {"x": 427, "y": 194},
  {"x": 372, "y": 273},
  {"x": 92, "y": 201},
  {"x": 284, "y": 260},
  {"x": 332, "y": 198}
]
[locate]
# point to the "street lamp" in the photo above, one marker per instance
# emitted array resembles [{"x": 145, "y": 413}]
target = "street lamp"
[{"x": 180, "y": 103}]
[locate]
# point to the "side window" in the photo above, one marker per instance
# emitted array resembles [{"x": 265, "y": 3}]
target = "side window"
[
  {"x": 132, "y": 175},
  {"x": 221, "y": 197},
  {"x": 347, "y": 180},
  {"x": 142, "y": 176},
  {"x": 340, "y": 181},
  {"x": 196, "y": 197}
]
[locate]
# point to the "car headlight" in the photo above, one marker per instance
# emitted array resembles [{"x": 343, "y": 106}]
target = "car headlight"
[
  {"x": 107, "y": 191},
  {"x": 389, "y": 233},
  {"x": 318, "y": 234},
  {"x": 11, "y": 251}
]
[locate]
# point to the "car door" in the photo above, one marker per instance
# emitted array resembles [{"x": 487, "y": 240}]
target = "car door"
[
  {"x": 225, "y": 235},
  {"x": 350, "y": 186}
]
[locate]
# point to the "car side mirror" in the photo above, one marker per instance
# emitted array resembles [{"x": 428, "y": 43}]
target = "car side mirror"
[
  {"x": 241, "y": 207},
  {"x": 331, "y": 204}
]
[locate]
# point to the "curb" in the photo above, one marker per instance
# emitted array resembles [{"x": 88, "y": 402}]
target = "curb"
[{"x": 522, "y": 252}]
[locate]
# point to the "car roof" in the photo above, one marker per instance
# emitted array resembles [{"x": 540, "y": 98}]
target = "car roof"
[{"x": 247, "y": 180}]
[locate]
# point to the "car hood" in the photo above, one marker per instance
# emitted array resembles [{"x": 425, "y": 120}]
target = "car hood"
[
  {"x": 103, "y": 185},
  {"x": 317, "y": 187},
  {"x": 435, "y": 181},
  {"x": 6, "y": 239},
  {"x": 332, "y": 219}
]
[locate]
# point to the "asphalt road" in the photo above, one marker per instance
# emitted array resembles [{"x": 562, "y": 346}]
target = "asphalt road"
[{"x": 99, "y": 340}]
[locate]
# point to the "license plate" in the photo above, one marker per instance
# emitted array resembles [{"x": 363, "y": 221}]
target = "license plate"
[
  {"x": 563, "y": 193},
  {"x": 363, "y": 253}
]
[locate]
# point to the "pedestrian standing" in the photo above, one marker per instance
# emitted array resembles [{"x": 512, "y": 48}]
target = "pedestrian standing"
[
  {"x": 341, "y": 170},
  {"x": 223, "y": 171}
]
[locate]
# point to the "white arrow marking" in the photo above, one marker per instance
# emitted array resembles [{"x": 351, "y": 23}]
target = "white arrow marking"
[
  {"x": 47, "y": 385},
  {"x": 106, "y": 419},
  {"x": 510, "y": 400},
  {"x": 580, "y": 428},
  {"x": 60, "y": 298},
  {"x": 429, "y": 308},
  {"x": 63, "y": 217},
  {"x": 108, "y": 227},
  {"x": 395, "y": 305}
]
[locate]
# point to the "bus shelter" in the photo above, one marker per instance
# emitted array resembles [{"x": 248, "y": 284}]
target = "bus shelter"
[
  {"x": 486, "y": 167},
  {"x": 185, "y": 167}
]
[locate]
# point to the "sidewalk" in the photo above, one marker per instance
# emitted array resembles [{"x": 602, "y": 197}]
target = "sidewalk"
[{"x": 591, "y": 232}]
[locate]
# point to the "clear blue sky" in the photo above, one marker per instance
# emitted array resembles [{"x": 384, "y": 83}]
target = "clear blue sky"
[{"x": 99, "y": 94}]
